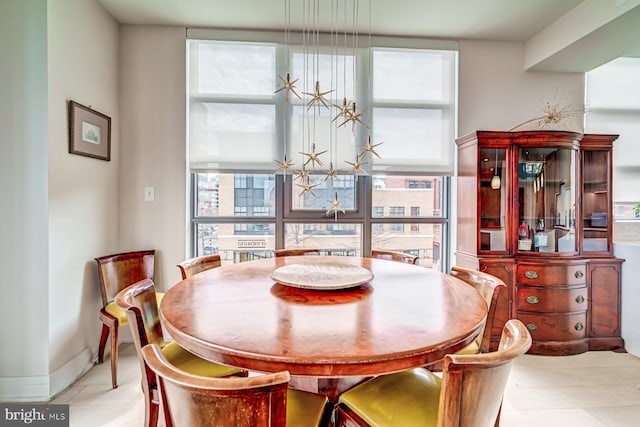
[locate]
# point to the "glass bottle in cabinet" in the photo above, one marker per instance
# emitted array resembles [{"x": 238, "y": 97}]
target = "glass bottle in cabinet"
[
  {"x": 546, "y": 195},
  {"x": 493, "y": 199}
]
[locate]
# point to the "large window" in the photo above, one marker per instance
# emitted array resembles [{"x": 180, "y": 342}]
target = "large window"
[
  {"x": 613, "y": 106},
  {"x": 239, "y": 124}
]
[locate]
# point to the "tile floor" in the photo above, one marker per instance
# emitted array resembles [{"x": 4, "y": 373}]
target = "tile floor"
[{"x": 593, "y": 389}]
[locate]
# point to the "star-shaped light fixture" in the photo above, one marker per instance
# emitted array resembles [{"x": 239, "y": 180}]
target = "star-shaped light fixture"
[
  {"x": 288, "y": 86},
  {"x": 313, "y": 157},
  {"x": 317, "y": 97},
  {"x": 302, "y": 175},
  {"x": 356, "y": 166},
  {"x": 344, "y": 111},
  {"x": 283, "y": 166},
  {"x": 354, "y": 117},
  {"x": 307, "y": 187},
  {"x": 370, "y": 149},
  {"x": 331, "y": 173},
  {"x": 335, "y": 206}
]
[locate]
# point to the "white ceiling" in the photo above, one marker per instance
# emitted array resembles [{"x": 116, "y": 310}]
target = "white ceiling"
[
  {"x": 514, "y": 20},
  {"x": 600, "y": 30}
]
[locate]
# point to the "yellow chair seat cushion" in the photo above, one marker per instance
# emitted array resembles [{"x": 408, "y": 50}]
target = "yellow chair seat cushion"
[
  {"x": 304, "y": 408},
  {"x": 472, "y": 348},
  {"x": 409, "y": 398},
  {"x": 189, "y": 362},
  {"x": 121, "y": 315}
]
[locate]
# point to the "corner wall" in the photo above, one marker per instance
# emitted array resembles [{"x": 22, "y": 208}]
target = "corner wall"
[
  {"x": 24, "y": 244},
  {"x": 83, "y": 192}
]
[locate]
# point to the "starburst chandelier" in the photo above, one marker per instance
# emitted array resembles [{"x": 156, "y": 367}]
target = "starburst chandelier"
[{"x": 319, "y": 103}]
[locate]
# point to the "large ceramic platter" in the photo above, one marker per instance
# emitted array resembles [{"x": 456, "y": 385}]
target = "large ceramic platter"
[{"x": 322, "y": 275}]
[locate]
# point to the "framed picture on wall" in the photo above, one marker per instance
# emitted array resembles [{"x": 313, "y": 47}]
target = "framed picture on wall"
[{"x": 89, "y": 132}]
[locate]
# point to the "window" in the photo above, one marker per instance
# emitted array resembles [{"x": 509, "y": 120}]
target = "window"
[
  {"x": 613, "y": 107},
  {"x": 415, "y": 211},
  {"x": 242, "y": 210},
  {"x": 396, "y": 211}
]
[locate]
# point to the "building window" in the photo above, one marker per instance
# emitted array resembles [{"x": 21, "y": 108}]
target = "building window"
[
  {"x": 420, "y": 184},
  {"x": 396, "y": 210}
]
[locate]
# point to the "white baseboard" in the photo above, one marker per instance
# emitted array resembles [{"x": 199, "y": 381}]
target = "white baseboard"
[{"x": 42, "y": 388}]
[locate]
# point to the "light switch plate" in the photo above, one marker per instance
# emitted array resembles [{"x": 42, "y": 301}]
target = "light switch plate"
[{"x": 149, "y": 194}]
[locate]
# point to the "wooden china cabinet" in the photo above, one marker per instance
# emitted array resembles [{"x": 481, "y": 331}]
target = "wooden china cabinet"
[{"x": 534, "y": 209}]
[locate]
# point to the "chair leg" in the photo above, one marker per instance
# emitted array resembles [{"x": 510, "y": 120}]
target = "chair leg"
[
  {"x": 151, "y": 412},
  {"x": 103, "y": 342},
  {"x": 114, "y": 355}
]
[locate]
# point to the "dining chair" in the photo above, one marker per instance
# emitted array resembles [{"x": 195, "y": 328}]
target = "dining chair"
[
  {"x": 490, "y": 288},
  {"x": 192, "y": 266},
  {"x": 116, "y": 272},
  {"x": 469, "y": 394},
  {"x": 394, "y": 256},
  {"x": 141, "y": 306},
  {"x": 255, "y": 401},
  {"x": 296, "y": 252}
]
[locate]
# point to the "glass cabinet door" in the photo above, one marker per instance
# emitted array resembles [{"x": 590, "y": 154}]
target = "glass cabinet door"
[
  {"x": 546, "y": 199},
  {"x": 493, "y": 199},
  {"x": 595, "y": 201}
]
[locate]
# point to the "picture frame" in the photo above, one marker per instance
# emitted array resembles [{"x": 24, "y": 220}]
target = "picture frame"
[{"x": 89, "y": 132}]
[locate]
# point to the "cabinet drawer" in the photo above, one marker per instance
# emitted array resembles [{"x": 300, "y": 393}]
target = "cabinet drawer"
[
  {"x": 542, "y": 275},
  {"x": 550, "y": 300},
  {"x": 549, "y": 327}
]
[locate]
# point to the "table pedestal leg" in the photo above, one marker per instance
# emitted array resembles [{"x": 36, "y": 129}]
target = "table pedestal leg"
[{"x": 330, "y": 387}]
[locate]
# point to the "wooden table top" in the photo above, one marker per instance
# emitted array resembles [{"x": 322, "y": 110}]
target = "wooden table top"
[{"x": 406, "y": 316}]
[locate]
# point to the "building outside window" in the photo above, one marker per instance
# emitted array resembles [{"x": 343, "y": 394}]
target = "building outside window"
[{"x": 244, "y": 211}]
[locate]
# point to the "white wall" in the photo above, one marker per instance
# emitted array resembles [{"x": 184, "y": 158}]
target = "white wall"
[
  {"x": 495, "y": 93},
  {"x": 58, "y": 210},
  {"x": 24, "y": 292},
  {"x": 83, "y": 192},
  {"x": 153, "y": 131}
]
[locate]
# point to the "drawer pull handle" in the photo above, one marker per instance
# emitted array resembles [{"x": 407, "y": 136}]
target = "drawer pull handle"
[
  {"x": 532, "y": 327},
  {"x": 579, "y": 326},
  {"x": 532, "y": 299},
  {"x": 579, "y": 299},
  {"x": 579, "y": 274},
  {"x": 530, "y": 274}
]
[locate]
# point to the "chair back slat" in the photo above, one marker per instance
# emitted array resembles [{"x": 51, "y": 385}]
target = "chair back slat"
[
  {"x": 394, "y": 256},
  {"x": 490, "y": 288},
  {"x": 296, "y": 252},
  {"x": 118, "y": 271},
  {"x": 139, "y": 301},
  {"x": 196, "y": 401},
  {"x": 196, "y": 265}
]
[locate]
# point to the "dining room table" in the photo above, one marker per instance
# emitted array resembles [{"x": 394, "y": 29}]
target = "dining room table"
[{"x": 329, "y": 320}]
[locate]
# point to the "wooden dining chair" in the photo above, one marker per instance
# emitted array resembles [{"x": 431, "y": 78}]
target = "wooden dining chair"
[
  {"x": 394, "y": 256},
  {"x": 469, "y": 394},
  {"x": 255, "y": 401},
  {"x": 490, "y": 288},
  {"x": 192, "y": 266},
  {"x": 296, "y": 252},
  {"x": 141, "y": 306},
  {"x": 116, "y": 272}
]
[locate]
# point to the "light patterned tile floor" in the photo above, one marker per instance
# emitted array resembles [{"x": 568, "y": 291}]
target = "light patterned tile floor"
[{"x": 593, "y": 389}]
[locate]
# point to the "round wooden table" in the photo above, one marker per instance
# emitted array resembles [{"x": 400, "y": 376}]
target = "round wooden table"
[{"x": 406, "y": 316}]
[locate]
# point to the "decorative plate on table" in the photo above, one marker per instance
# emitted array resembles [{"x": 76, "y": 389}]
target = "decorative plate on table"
[{"x": 322, "y": 275}]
